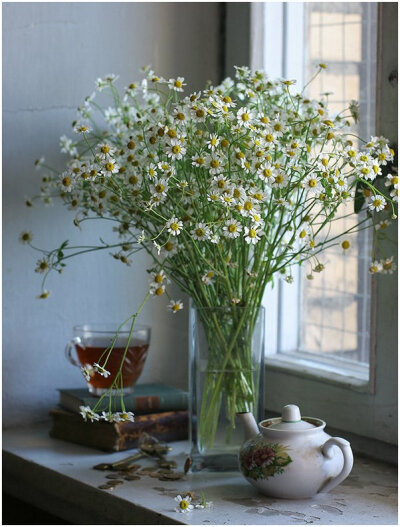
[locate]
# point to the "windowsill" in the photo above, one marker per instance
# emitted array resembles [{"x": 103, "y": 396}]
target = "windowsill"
[
  {"x": 308, "y": 369},
  {"x": 57, "y": 477}
]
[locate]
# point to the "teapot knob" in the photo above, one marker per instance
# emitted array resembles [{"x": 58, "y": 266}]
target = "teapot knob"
[{"x": 291, "y": 414}]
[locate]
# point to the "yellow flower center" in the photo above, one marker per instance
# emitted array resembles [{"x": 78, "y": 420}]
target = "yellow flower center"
[
  {"x": 248, "y": 205},
  {"x": 345, "y": 245},
  {"x": 252, "y": 233},
  {"x": 158, "y": 278},
  {"x": 277, "y": 127},
  {"x": 245, "y": 117},
  {"x": 267, "y": 172},
  {"x": 169, "y": 246},
  {"x": 279, "y": 179},
  {"x": 387, "y": 265},
  {"x": 303, "y": 234},
  {"x": 180, "y": 116},
  {"x": 133, "y": 180},
  {"x": 105, "y": 149},
  {"x": 109, "y": 167},
  {"x": 312, "y": 183},
  {"x": 269, "y": 138},
  {"x": 200, "y": 161},
  {"x": 214, "y": 141},
  {"x": 214, "y": 163},
  {"x": 159, "y": 291},
  {"x": 174, "y": 226},
  {"x": 200, "y": 232},
  {"x": 176, "y": 307},
  {"x": 365, "y": 170},
  {"x": 395, "y": 180},
  {"x": 159, "y": 188},
  {"x": 176, "y": 149},
  {"x": 171, "y": 133},
  {"x": 382, "y": 156},
  {"x": 258, "y": 196},
  {"x": 227, "y": 99},
  {"x": 178, "y": 84},
  {"x": 224, "y": 143},
  {"x": 377, "y": 202},
  {"x": 184, "y": 504},
  {"x": 232, "y": 228},
  {"x": 66, "y": 181}
]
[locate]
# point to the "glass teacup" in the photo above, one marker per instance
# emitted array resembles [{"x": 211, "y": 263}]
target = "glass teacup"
[{"x": 90, "y": 343}]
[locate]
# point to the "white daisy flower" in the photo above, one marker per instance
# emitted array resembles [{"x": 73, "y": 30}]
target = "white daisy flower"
[
  {"x": 159, "y": 277},
  {"x": 201, "y": 232},
  {"x": 214, "y": 164},
  {"x": 245, "y": 117},
  {"x": 377, "y": 202},
  {"x": 279, "y": 179},
  {"x": 252, "y": 234},
  {"x": 175, "y": 305},
  {"x": 176, "y": 84},
  {"x": 213, "y": 142},
  {"x": 151, "y": 170},
  {"x": 198, "y": 161},
  {"x": 67, "y": 146},
  {"x": 175, "y": 149},
  {"x": 157, "y": 289},
  {"x": 184, "y": 504},
  {"x": 208, "y": 277},
  {"x": 105, "y": 81},
  {"x": 160, "y": 187},
  {"x": 394, "y": 194},
  {"x": 388, "y": 266},
  {"x": 232, "y": 229},
  {"x": 88, "y": 414},
  {"x": 180, "y": 113},
  {"x": 375, "y": 267},
  {"x": 110, "y": 168},
  {"x": 382, "y": 225},
  {"x": 312, "y": 183},
  {"x": 174, "y": 226},
  {"x": 123, "y": 416},
  {"x": 87, "y": 371},
  {"x": 66, "y": 181},
  {"x": 105, "y": 151},
  {"x": 102, "y": 371},
  {"x": 392, "y": 180},
  {"x": 82, "y": 128}
]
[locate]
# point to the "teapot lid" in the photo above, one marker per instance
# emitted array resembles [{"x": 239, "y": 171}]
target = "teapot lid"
[{"x": 291, "y": 420}]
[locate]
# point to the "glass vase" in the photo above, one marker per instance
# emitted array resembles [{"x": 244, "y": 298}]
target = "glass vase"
[{"x": 225, "y": 377}]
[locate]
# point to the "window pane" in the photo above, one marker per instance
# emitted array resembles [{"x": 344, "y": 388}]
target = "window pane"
[{"x": 335, "y": 305}]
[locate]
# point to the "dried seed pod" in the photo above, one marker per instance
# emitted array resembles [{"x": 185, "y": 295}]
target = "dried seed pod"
[{"x": 188, "y": 464}]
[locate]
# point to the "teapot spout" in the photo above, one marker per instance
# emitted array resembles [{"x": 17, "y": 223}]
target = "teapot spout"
[{"x": 249, "y": 424}]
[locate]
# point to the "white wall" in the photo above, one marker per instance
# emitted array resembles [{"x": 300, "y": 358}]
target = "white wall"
[{"x": 52, "y": 53}]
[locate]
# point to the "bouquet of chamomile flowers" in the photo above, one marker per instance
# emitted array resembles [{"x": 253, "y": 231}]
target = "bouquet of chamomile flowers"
[{"x": 225, "y": 188}]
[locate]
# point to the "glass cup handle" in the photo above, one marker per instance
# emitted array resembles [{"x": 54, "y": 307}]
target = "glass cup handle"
[{"x": 69, "y": 348}]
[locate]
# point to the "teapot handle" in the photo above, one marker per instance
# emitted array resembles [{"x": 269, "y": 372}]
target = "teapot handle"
[{"x": 327, "y": 451}]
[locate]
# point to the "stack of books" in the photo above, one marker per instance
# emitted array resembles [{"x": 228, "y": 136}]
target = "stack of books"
[{"x": 160, "y": 410}]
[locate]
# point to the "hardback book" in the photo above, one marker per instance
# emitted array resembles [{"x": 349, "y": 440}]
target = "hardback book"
[
  {"x": 146, "y": 398},
  {"x": 114, "y": 437}
]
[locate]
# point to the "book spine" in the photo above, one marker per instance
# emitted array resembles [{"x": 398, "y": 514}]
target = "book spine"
[
  {"x": 150, "y": 403},
  {"x": 113, "y": 437},
  {"x": 169, "y": 426}
]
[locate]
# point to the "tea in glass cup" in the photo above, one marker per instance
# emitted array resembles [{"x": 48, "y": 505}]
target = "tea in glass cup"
[{"x": 90, "y": 343}]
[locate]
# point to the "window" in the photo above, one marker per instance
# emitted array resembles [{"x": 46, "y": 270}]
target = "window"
[{"x": 324, "y": 323}]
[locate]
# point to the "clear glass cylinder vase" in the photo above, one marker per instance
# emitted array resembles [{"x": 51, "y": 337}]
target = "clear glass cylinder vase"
[{"x": 225, "y": 378}]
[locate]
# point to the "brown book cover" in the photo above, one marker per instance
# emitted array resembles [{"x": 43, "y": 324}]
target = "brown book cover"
[{"x": 113, "y": 437}]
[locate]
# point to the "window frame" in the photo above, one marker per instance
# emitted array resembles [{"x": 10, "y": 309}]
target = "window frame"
[{"x": 368, "y": 413}]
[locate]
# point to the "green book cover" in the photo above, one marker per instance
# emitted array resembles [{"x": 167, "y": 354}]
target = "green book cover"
[{"x": 146, "y": 398}]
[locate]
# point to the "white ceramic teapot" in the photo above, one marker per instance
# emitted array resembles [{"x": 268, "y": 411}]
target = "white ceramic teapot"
[{"x": 291, "y": 457}]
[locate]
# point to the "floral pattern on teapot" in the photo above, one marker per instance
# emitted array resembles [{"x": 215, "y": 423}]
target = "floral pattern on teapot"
[{"x": 259, "y": 459}]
